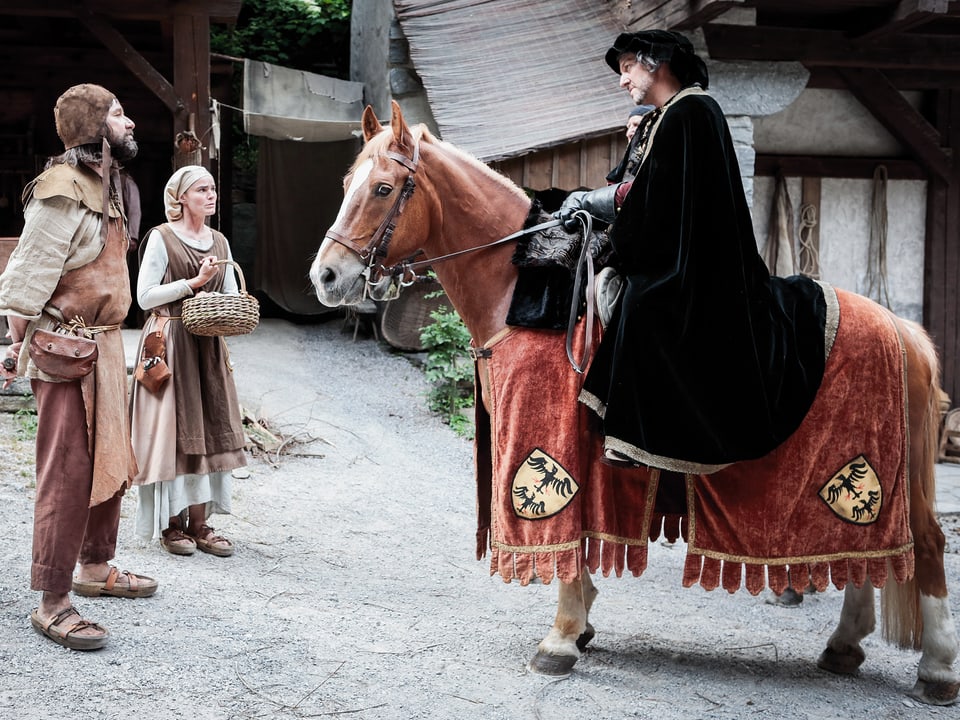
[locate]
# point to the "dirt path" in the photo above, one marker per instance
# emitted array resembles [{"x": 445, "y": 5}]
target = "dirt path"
[{"x": 354, "y": 591}]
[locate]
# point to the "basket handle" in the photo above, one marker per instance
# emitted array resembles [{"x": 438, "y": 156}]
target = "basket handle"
[{"x": 243, "y": 282}]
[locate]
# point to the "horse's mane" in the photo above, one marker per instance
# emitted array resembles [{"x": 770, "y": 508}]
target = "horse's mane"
[{"x": 380, "y": 143}]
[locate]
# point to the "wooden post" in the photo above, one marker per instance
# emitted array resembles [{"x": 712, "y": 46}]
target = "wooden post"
[
  {"x": 191, "y": 78},
  {"x": 941, "y": 258}
]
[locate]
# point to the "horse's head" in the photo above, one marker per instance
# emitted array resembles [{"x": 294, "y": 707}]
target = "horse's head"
[{"x": 357, "y": 254}]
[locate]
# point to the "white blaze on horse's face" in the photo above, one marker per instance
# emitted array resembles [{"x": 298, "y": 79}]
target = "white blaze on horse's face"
[{"x": 336, "y": 272}]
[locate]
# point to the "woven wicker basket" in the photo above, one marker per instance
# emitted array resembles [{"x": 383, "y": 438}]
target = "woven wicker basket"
[
  {"x": 405, "y": 317},
  {"x": 215, "y": 314}
]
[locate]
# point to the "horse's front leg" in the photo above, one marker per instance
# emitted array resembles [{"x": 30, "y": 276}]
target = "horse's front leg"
[
  {"x": 858, "y": 619},
  {"x": 559, "y": 651}
]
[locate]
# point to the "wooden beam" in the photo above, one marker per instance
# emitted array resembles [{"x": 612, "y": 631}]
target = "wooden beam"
[
  {"x": 767, "y": 165},
  {"x": 899, "y": 117},
  {"x": 908, "y": 14},
  {"x": 816, "y": 48},
  {"x": 827, "y": 78},
  {"x": 221, "y": 11},
  {"x": 134, "y": 61},
  {"x": 673, "y": 14}
]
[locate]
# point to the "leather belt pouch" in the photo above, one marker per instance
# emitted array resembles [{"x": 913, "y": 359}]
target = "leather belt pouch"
[{"x": 67, "y": 357}]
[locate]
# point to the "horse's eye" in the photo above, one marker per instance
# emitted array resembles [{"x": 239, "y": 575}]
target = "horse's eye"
[{"x": 383, "y": 189}]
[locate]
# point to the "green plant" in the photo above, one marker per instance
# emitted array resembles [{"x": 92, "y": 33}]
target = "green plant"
[
  {"x": 449, "y": 368},
  {"x": 26, "y": 424},
  {"x": 309, "y": 35}
]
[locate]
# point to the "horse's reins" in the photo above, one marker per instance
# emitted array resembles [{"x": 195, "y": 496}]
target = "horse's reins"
[
  {"x": 585, "y": 262},
  {"x": 405, "y": 271}
]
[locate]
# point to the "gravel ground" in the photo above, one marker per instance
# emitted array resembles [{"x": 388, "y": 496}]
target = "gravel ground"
[{"x": 354, "y": 591}]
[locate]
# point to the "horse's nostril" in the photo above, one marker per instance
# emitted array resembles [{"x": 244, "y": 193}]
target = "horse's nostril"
[{"x": 327, "y": 278}]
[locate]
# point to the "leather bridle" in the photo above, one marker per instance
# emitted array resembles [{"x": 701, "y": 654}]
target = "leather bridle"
[
  {"x": 374, "y": 250},
  {"x": 404, "y": 272}
]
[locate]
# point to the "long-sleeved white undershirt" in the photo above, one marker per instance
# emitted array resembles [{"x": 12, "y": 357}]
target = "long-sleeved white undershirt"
[{"x": 151, "y": 293}]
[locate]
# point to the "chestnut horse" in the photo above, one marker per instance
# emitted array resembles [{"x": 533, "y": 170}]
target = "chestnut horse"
[{"x": 412, "y": 200}]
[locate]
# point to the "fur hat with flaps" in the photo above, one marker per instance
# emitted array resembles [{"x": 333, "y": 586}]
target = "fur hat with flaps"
[
  {"x": 664, "y": 46},
  {"x": 80, "y": 114}
]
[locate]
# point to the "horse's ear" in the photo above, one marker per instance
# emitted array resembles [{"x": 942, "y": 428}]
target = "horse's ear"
[
  {"x": 371, "y": 126},
  {"x": 401, "y": 132}
]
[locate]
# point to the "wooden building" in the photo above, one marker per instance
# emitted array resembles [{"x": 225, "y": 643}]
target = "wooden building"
[
  {"x": 521, "y": 70},
  {"x": 153, "y": 54}
]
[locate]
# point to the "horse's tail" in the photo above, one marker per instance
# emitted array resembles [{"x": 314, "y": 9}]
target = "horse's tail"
[{"x": 901, "y": 619}]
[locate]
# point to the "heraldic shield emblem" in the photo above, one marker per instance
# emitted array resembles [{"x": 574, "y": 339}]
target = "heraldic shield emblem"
[
  {"x": 541, "y": 487},
  {"x": 854, "y": 493}
]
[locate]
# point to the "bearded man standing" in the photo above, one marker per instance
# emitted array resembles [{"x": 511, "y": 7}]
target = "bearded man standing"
[{"x": 68, "y": 275}]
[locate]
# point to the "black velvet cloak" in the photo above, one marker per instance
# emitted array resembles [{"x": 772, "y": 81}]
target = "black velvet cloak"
[{"x": 708, "y": 359}]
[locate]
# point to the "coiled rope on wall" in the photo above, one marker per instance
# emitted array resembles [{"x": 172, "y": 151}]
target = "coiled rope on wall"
[{"x": 809, "y": 253}]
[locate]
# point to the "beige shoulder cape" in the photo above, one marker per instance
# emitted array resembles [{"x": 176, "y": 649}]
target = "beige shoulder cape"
[{"x": 77, "y": 183}]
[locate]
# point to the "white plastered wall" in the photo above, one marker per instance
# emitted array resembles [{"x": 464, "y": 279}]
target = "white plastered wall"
[{"x": 833, "y": 123}]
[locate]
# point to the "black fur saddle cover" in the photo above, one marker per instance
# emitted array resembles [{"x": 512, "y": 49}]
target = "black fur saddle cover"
[{"x": 558, "y": 247}]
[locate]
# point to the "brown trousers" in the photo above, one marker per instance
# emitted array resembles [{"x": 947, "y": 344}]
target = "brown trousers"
[{"x": 65, "y": 529}]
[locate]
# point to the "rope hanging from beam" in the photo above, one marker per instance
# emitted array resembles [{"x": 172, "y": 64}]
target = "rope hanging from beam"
[{"x": 876, "y": 280}]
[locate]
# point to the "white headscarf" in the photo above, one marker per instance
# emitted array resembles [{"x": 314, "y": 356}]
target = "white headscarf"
[{"x": 177, "y": 185}]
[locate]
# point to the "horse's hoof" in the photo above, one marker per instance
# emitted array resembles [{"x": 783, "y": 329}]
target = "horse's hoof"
[
  {"x": 845, "y": 663},
  {"x": 585, "y": 638},
  {"x": 935, "y": 693},
  {"x": 788, "y": 598},
  {"x": 553, "y": 665}
]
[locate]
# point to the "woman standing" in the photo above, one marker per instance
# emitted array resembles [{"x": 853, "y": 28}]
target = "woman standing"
[{"x": 187, "y": 435}]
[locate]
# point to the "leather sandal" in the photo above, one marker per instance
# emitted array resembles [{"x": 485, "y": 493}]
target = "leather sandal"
[
  {"x": 175, "y": 542},
  {"x": 63, "y": 632},
  {"x": 136, "y": 586},
  {"x": 209, "y": 542}
]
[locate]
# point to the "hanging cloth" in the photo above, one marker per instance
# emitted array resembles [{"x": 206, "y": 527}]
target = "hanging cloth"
[
  {"x": 779, "y": 253},
  {"x": 876, "y": 280}
]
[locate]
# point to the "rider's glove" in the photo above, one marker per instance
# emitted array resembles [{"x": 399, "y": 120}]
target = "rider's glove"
[{"x": 601, "y": 203}]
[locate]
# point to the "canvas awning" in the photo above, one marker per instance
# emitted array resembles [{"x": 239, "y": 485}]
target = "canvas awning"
[
  {"x": 285, "y": 104},
  {"x": 505, "y": 77}
]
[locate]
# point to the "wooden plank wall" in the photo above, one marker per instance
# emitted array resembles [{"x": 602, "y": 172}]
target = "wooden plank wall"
[{"x": 574, "y": 166}]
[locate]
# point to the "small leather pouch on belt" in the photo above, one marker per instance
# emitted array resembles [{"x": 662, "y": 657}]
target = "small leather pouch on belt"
[
  {"x": 152, "y": 370},
  {"x": 63, "y": 356}
]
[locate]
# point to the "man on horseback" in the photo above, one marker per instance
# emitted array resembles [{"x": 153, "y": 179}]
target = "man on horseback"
[{"x": 707, "y": 360}]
